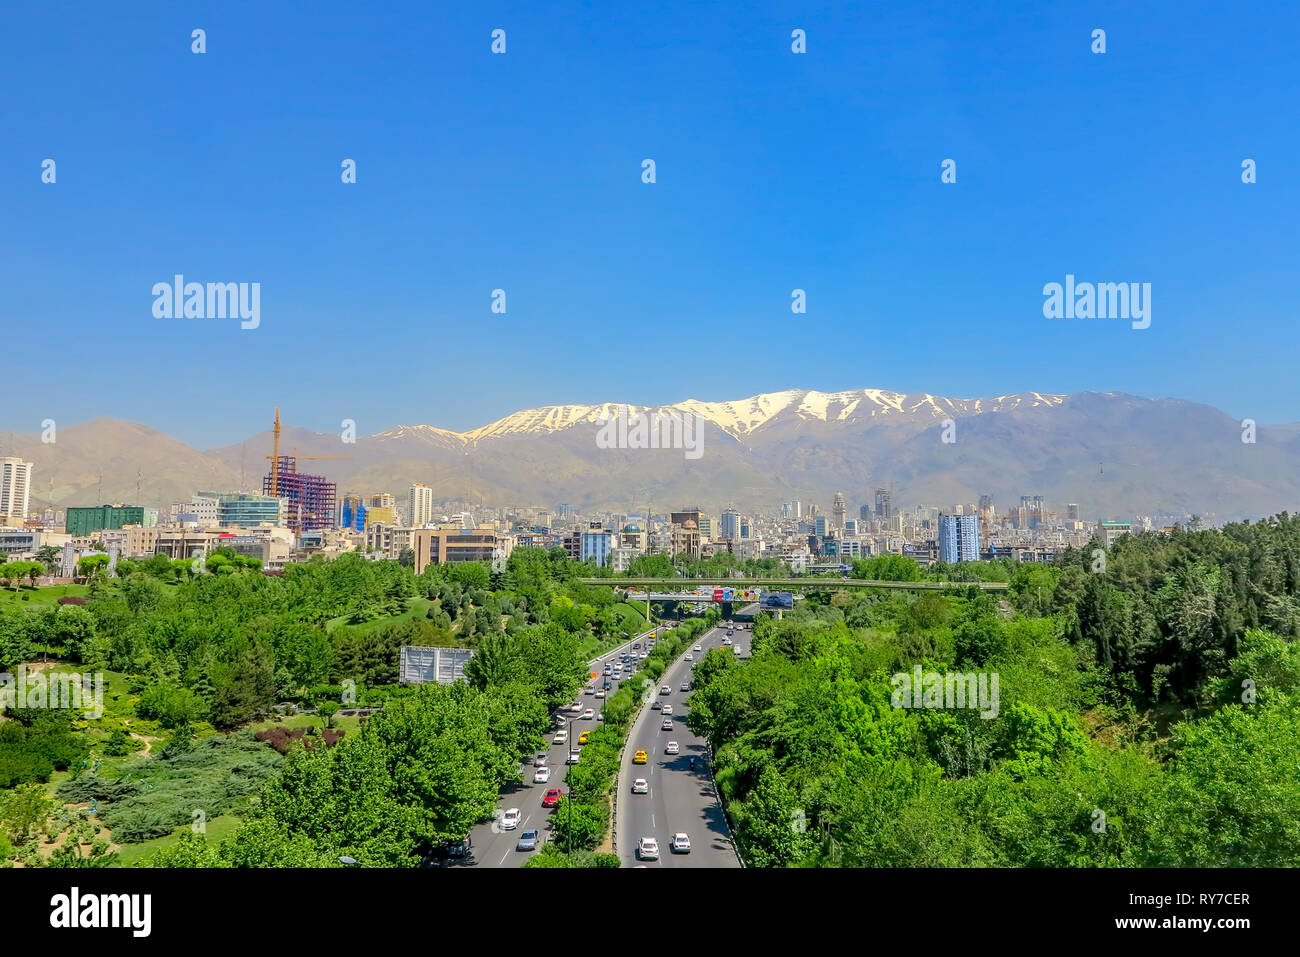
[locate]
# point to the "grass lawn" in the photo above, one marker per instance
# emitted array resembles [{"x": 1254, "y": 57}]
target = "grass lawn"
[
  {"x": 27, "y": 595},
  {"x": 415, "y": 608},
  {"x": 133, "y": 855}
]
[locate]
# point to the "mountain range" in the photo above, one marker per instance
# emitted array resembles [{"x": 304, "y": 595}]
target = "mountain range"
[{"x": 1114, "y": 454}]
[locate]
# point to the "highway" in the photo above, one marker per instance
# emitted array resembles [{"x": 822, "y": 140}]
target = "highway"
[
  {"x": 680, "y": 798},
  {"x": 490, "y": 845}
]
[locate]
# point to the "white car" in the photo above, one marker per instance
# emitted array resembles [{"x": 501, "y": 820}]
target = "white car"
[
  {"x": 510, "y": 820},
  {"x": 726, "y": 641},
  {"x": 589, "y": 690},
  {"x": 671, "y": 748},
  {"x": 667, "y": 709},
  {"x": 690, "y": 657},
  {"x": 572, "y": 758},
  {"x": 541, "y": 775},
  {"x": 640, "y": 786},
  {"x": 644, "y": 656},
  {"x": 665, "y": 690},
  {"x": 681, "y": 843},
  {"x": 667, "y": 725},
  {"x": 588, "y": 715},
  {"x": 560, "y": 737},
  {"x": 540, "y": 761},
  {"x": 699, "y": 647},
  {"x": 575, "y": 708},
  {"x": 648, "y": 849},
  {"x": 600, "y": 694}
]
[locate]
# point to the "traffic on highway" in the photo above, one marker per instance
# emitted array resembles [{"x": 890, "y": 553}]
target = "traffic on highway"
[
  {"x": 521, "y": 823},
  {"x": 667, "y": 812}
]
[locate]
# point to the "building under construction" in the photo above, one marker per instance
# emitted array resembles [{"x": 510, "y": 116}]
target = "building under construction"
[{"x": 311, "y": 497}]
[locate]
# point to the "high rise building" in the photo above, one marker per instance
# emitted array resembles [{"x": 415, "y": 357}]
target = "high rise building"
[
  {"x": 730, "y": 528},
  {"x": 353, "y": 513},
  {"x": 419, "y": 505},
  {"x": 884, "y": 504},
  {"x": 959, "y": 538},
  {"x": 1072, "y": 512},
  {"x": 864, "y": 513},
  {"x": 15, "y": 490},
  {"x": 310, "y": 497},
  {"x": 383, "y": 500},
  {"x": 837, "y": 511}
]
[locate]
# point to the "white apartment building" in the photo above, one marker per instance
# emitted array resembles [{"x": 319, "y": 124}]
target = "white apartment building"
[
  {"x": 419, "y": 505},
  {"x": 15, "y": 490}
]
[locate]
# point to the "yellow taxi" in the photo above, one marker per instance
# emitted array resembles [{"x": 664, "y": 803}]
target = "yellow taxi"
[
  {"x": 639, "y": 758},
  {"x": 582, "y": 738}
]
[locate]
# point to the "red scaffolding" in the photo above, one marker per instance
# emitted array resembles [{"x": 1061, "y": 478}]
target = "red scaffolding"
[{"x": 311, "y": 497}]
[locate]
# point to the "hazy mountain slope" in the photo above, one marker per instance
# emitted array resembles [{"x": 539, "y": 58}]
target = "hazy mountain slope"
[{"x": 1113, "y": 454}]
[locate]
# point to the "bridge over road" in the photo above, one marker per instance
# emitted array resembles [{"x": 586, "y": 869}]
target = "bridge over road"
[{"x": 782, "y": 584}]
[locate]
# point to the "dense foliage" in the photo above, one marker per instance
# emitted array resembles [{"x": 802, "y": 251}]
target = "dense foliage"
[{"x": 1148, "y": 714}]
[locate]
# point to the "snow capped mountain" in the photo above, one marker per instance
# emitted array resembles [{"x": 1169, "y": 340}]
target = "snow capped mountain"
[
  {"x": 1115, "y": 455},
  {"x": 742, "y": 417}
]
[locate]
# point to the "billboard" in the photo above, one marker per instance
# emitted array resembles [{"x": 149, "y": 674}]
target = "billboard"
[
  {"x": 426, "y": 665},
  {"x": 778, "y": 599}
]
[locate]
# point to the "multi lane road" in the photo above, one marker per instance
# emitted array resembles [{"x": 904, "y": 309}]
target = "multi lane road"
[
  {"x": 493, "y": 846},
  {"x": 680, "y": 798}
]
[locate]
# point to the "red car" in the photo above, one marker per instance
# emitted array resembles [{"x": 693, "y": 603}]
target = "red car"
[{"x": 552, "y": 797}]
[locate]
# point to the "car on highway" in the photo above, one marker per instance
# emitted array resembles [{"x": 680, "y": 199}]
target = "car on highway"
[
  {"x": 541, "y": 775},
  {"x": 665, "y": 690},
  {"x": 541, "y": 760},
  {"x": 582, "y": 738},
  {"x": 589, "y": 690},
  {"x": 681, "y": 843},
  {"x": 686, "y": 686},
  {"x": 600, "y": 694},
  {"x": 656, "y": 704},
  {"x": 573, "y": 757},
  {"x": 640, "y": 786},
  {"x": 690, "y": 657},
  {"x": 561, "y": 736},
  {"x": 726, "y": 641},
  {"x": 667, "y": 725},
  {"x": 527, "y": 841},
  {"x": 699, "y": 647},
  {"x": 644, "y": 656},
  {"x": 587, "y": 715},
  {"x": 667, "y": 709},
  {"x": 551, "y": 798},
  {"x": 671, "y": 748},
  {"x": 510, "y": 819},
  {"x": 639, "y": 758},
  {"x": 609, "y": 667},
  {"x": 575, "y": 708},
  {"x": 647, "y": 849}
]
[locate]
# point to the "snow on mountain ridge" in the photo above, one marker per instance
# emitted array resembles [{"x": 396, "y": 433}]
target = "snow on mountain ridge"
[{"x": 742, "y": 416}]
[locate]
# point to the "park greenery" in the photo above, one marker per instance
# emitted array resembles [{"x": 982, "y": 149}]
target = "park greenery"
[
  {"x": 198, "y": 656},
  {"x": 1149, "y": 710}
]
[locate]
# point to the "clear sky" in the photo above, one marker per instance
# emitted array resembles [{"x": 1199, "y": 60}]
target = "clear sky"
[{"x": 522, "y": 171}]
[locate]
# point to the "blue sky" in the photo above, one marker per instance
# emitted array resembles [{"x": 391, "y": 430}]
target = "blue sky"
[{"x": 522, "y": 171}]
